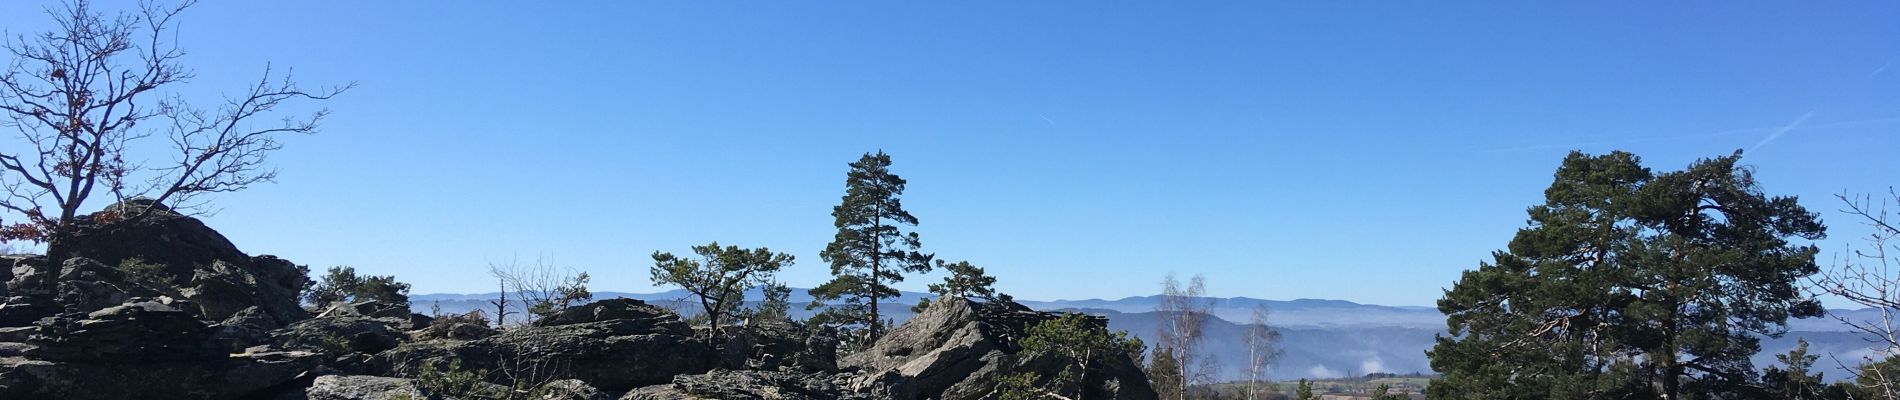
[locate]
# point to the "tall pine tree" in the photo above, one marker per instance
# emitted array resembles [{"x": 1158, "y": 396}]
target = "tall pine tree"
[
  {"x": 1629, "y": 283},
  {"x": 870, "y": 251}
]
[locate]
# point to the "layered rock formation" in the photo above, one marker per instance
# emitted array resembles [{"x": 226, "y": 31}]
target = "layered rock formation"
[
  {"x": 959, "y": 349},
  {"x": 166, "y": 308}
]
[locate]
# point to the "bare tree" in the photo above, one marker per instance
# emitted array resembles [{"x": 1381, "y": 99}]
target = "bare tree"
[
  {"x": 1867, "y": 276},
  {"x": 501, "y": 300},
  {"x": 1263, "y": 346},
  {"x": 1184, "y": 315},
  {"x": 81, "y": 96},
  {"x": 541, "y": 288}
]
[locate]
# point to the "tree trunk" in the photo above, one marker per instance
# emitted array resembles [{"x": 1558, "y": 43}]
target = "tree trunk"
[{"x": 877, "y": 258}]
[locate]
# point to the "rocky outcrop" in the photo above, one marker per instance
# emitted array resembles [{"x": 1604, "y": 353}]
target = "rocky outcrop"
[
  {"x": 777, "y": 348},
  {"x": 180, "y": 243},
  {"x": 271, "y": 284},
  {"x": 198, "y": 261},
  {"x": 614, "y": 345},
  {"x": 341, "y": 335},
  {"x": 960, "y": 349},
  {"x": 95, "y": 326},
  {"x": 454, "y": 330},
  {"x": 568, "y": 389},
  {"x": 361, "y": 387},
  {"x": 156, "y": 330},
  {"x": 146, "y": 349},
  {"x": 748, "y": 385}
]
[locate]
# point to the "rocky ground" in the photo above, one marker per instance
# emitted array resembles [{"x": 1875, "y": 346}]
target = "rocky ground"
[{"x": 210, "y": 322}]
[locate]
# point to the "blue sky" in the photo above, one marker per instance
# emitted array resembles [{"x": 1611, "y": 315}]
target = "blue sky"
[{"x": 1343, "y": 150}]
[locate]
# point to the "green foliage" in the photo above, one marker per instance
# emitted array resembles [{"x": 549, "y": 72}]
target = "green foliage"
[
  {"x": 383, "y": 288},
  {"x": 1305, "y": 391},
  {"x": 1384, "y": 392},
  {"x": 342, "y": 284},
  {"x": 564, "y": 294},
  {"x": 777, "y": 305},
  {"x": 328, "y": 344},
  {"x": 1019, "y": 386},
  {"x": 472, "y": 317},
  {"x": 720, "y": 277},
  {"x": 870, "y": 252},
  {"x": 1793, "y": 380},
  {"x": 1080, "y": 340},
  {"x": 966, "y": 281},
  {"x": 1164, "y": 374},
  {"x": 454, "y": 382},
  {"x": 1628, "y": 282},
  {"x": 147, "y": 274},
  {"x": 1871, "y": 378}
]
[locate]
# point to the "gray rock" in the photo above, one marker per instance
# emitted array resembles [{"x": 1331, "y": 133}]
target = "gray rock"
[
  {"x": 237, "y": 376},
  {"x": 144, "y": 331},
  {"x": 454, "y": 330},
  {"x": 959, "y": 349},
  {"x": 747, "y": 385},
  {"x": 247, "y": 328},
  {"x": 617, "y": 310},
  {"x": 207, "y": 268},
  {"x": 24, "y": 310},
  {"x": 616, "y": 346},
  {"x": 776, "y": 348},
  {"x": 360, "y": 387},
  {"x": 367, "y": 308},
  {"x": 85, "y": 286},
  {"x": 336, "y": 336},
  {"x": 568, "y": 389}
]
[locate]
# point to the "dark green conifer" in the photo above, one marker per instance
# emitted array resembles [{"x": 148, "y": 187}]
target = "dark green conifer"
[
  {"x": 1629, "y": 283},
  {"x": 870, "y": 251}
]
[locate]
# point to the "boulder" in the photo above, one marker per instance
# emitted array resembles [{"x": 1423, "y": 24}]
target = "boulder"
[
  {"x": 568, "y": 389},
  {"x": 614, "y": 345},
  {"x": 85, "y": 285},
  {"x": 960, "y": 349},
  {"x": 777, "y": 348},
  {"x": 224, "y": 287},
  {"x": 178, "y": 242},
  {"x": 616, "y": 309},
  {"x": 236, "y": 376},
  {"x": 199, "y": 261},
  {"x": 338, "y": 336},
  {"x": 747, "y": 385},
  {"x": 455, "y": 330},
  {"x": 249, "y": 327},
  {"x": 369, "y": 308},
  {"x": 19, "y": 311},
  {"x": 360, "y": 387},
  {"x": 142, "y": 331},
  {"x": 31, "y": 277}
]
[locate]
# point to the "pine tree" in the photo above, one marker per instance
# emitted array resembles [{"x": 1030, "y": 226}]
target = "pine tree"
[
  {"x": 966, "y": 281},
  {"x": 1164, "y": 374},
  {"x": 720, "y": 277},
  {"x": 1081, "y": 341},
  {"x": 1795, "y": 378},
  {"x": 870, "y": 252},
  {"x": 1629, "y": 283},
  {"x": 1304, "y": 391}
]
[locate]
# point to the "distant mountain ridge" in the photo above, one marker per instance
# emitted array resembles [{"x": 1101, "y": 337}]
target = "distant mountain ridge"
[{"x": 1321, "y": 338}]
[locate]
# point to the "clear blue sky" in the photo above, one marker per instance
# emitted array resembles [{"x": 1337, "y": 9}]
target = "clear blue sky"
[{"x": 1345, "y": 150}]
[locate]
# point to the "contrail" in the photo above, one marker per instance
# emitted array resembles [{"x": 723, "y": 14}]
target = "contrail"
[
  {"x": 1046, "y": 118},
  {"x": 1877, "y": 71},
  {"x": 1730, "y": 132},
  {"x": 1784, "y": 130}
]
